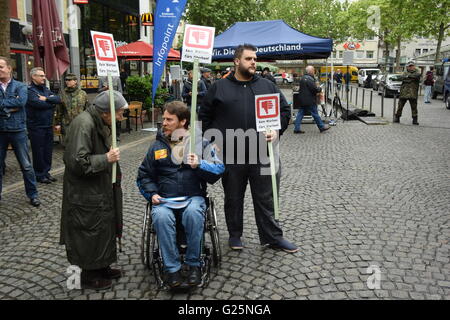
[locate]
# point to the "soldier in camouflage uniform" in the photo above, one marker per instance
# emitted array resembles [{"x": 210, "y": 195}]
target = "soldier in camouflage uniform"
[
  {"x": 409, "y": 91},
  {"x": 74, "y": 101}
]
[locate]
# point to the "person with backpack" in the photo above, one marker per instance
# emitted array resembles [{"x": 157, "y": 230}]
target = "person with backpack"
[{"x": 429, "y": 82}]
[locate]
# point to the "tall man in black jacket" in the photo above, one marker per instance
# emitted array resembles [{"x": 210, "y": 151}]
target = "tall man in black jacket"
[
  {"x": 308, "y": 100},
  {"x": 228, "y": 106}
]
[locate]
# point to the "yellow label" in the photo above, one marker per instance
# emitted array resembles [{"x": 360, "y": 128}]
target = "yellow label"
[{"x": 160, "y": 154}]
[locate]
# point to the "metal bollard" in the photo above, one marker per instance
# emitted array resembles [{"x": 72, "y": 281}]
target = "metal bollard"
[
  {"x": 363, "y": 96},
  {"x": 371, "y": 98},
  {"x": 356, "y": 103},
  {"x": 395, "y": 107},
  {"x": 351, "y": 93},
  {"x": 382, "y": 105}
]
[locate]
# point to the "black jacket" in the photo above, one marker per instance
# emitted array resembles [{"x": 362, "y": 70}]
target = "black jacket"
[
  {"x": 230, "y": 104},
  {"x": 159, "y": 174},
  {"x": 308, "y": 91}
]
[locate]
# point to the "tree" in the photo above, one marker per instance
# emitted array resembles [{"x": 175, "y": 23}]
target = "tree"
[
  {"x": 433, "y": 18},
  {"x": 222, "y": 14},
  {"x": 4, "y": 28},
  {"x": 319, "y": 18}
]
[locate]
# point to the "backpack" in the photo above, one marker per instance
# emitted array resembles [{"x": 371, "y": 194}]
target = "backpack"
[{"x": 429, "y": 79}]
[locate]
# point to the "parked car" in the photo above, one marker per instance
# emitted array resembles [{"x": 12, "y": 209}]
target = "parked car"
[
  {"x": 363, "y": 73},
  {"x": 376, "y": 82},
  {"x": 442, "y": 70},
  {"x": 283, "y": 78},
  {"x": 390, "y": 84}
]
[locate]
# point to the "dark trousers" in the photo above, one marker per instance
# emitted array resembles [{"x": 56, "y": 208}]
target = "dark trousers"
[
  {"x": 234, "y": 183},
  {"x": 19, "y": 142},
  {"x": 401, "y": 104},
  {"x": 42, "y": 149}
]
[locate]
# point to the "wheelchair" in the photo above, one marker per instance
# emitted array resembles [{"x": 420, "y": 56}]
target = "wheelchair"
[{"x": 210, "y": 255}]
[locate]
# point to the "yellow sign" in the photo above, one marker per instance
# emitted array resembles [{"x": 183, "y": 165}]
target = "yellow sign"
[{"x": 160, "y": 154}]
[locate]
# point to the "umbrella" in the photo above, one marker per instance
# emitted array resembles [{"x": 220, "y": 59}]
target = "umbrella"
[
  {"x": 48, "y": 40},
  {"x": 141, "y": 50}
]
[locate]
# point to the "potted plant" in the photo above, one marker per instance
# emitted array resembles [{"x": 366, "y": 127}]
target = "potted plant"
[{"x": 140, "y": 89}]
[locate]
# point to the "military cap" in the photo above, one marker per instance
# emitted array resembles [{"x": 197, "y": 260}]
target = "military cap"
[
  {"x": 71, "y": 76},
  {"x": 411, "y": 63},
  {"x": 205, "y": 70},
  {"x": 101, "y": 101}
]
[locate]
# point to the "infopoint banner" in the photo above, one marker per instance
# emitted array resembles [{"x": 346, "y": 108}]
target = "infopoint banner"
[{"x": 167, "y": 17}]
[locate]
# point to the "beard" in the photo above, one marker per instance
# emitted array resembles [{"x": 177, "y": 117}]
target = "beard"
[{"x": 247, "y": 72}]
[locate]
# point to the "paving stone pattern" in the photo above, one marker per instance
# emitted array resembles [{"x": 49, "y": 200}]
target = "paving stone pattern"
[{"x": 353, "y": 197}]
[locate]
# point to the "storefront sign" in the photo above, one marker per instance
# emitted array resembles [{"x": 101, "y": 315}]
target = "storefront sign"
[{"x": 351, "y": 45}]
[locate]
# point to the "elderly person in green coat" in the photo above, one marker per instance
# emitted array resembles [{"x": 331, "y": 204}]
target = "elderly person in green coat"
[
  {"x": 409, "y": 91},
  {"x": 92, "y": 204}
]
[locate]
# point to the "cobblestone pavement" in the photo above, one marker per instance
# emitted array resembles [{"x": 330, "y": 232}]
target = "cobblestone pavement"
[{"x": 353, "y": 197}]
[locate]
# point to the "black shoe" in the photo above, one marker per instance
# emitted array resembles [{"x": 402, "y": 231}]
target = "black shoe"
[
  {"x": 194, "y": 276},
  {"x": 35, "y": 202},
  {"x": 44, "y": 180},
  {"x": 92, "y": 279},
  {"x": 109, "y": 273},
  {"x": 396, "y": 119},
  {"x": 174, "y": 279},
  {"x": 415, "y": 121},
  {"x": 51, "y": 178},
  {"x": 324, "y": 128},
  {"x": 235, "y": 243},
  {"x": 299, "y": 131}
]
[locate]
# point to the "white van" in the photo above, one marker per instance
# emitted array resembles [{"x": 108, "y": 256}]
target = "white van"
[{"x": 363, "y": 73}]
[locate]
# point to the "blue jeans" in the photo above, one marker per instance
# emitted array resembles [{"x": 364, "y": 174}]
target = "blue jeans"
[
  {"x": 314, "y": 113},
  {"x": 427, "y": 94},
  {"x": 19, "y": 141},
  {"x": 41, "y": 140},
  {"x": 192, "y": 218}
]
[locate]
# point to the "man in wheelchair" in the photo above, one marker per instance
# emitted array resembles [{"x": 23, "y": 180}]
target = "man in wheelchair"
[{"x": 167, "y": 171}]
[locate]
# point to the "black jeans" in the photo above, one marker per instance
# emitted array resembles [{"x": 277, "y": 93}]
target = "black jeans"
[{"x": 234, "y": 181}]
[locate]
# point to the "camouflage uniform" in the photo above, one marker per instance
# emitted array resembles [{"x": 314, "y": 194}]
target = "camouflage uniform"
[
  {"x": 74, "y": 101},
  {"x": 409, "y": 91}
]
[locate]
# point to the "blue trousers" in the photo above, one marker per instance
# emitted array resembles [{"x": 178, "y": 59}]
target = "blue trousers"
[
  {"x": 19, "y": 141},
  {"x": 164, "y": 222},
  {"x": 42, "y": 149},
  {"x": 314, "y": 113}
]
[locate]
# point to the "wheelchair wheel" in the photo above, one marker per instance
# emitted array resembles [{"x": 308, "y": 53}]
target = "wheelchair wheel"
[
  {"x": 145, "y": 239},
  {"x": 155, "y": 260},
  {"x": 214, "y": 234}
]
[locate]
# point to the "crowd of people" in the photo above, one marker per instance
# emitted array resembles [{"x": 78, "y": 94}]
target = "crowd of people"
[{"x": 92, "y": 203}]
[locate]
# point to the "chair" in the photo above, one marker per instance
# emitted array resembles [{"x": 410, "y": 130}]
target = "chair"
[{"x": 135, "y": 112}]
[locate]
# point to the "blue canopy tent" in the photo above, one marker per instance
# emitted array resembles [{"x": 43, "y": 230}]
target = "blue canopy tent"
[{"x": 274, "y": 39}]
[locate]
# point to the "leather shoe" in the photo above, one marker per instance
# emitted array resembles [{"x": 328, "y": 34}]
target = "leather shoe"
[
  {"x": 174, "y": 279},
  {"x": 92, "y": 279},
  {"x": 325, "y": 128},
  {"x": 299, "y": 131},
  {"x": 51, "y": 178},
  {"x": 235, "y": 243},
  {"x": 194, "y": 276},
  {"x": 44, "y": 180},
  {"x": 111, "y": 274},
  {"x": 35, "y": 202},
  {"x": 284, "y": 245}
]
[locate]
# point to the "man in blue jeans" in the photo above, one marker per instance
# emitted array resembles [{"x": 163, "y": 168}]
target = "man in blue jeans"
[
  {"x": 168, "y": 170},
  {"x": 308, "y": 101},
  {"x": 13, "y": 97}
]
